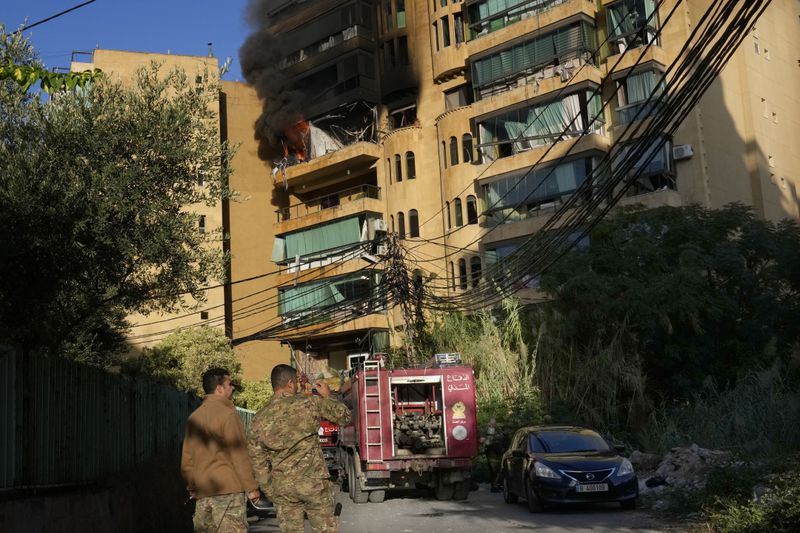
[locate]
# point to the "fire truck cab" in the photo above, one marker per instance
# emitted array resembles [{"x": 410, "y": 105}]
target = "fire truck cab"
[{"x": 410, "y": 427}]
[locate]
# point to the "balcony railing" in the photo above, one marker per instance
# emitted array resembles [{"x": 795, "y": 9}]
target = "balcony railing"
[
  {"x": 326, "y": 44},
  {"x": 329, "y": 201}
]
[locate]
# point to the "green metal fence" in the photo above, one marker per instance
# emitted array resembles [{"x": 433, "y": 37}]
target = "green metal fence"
[
  {"x": 66, "y": 423},
  {"x": 247, "y": 417}
]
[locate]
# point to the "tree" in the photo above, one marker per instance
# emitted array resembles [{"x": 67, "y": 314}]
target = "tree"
[
  {"x": 254, "y": 394},
  {"x": 97, "y": 188},
  {"x": 181, "y": 359},
  {"x": 698, "y": 294}
]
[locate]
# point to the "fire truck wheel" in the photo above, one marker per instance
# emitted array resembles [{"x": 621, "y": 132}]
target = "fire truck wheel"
[
  {"x": 444, "y": 490},
  {"x": 461, "y": 490},
  {"x": 377, "y": 496},
  {"x": 356, "y": 494}
]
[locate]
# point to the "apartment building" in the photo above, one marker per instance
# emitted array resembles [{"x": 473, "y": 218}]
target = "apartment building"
[
  {"x": 241, "y": 227},
  {"x": 471, "y": 97}
]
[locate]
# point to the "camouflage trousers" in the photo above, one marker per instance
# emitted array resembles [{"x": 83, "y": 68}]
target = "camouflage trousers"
[
  {"x": 292, "y": 497},
  {"x": 221, "y": 514}
]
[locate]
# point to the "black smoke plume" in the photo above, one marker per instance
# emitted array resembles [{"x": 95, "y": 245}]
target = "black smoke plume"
[{"x": 260, "y": 58}]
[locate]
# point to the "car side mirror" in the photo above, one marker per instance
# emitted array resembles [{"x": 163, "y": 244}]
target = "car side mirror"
[
  {"x": 519, "y": 453},
  {"x": 619, "y": 448}
]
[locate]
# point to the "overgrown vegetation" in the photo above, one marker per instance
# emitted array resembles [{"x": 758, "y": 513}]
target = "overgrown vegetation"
[{"x": 97, "y": 187}]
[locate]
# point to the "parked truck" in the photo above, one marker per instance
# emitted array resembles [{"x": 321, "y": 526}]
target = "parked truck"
[{"x": 410, "y": 427}]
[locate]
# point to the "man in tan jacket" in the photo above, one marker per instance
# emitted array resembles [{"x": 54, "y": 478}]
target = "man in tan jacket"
[{"x": 215, "y": 463}]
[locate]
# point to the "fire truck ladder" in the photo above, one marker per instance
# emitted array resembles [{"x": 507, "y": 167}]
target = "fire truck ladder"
[{"x": 372, "y": 404}]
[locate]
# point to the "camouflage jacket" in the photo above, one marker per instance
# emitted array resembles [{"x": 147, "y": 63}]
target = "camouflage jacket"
[{"x": 284, "y": 436}]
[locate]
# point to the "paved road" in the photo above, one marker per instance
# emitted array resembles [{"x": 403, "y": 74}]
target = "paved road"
[{"x": 484, "y": 512}]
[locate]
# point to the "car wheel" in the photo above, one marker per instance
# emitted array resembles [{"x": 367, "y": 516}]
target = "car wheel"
[
  {"x": 628, "y": 504},
  {"x": 534, "y": 504},
  {"x": 508, "y": 496},
  {"x": 356, "y": 494}
]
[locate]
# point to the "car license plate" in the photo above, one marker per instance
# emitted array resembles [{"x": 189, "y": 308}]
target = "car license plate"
[{"x": 592, "y": 487}]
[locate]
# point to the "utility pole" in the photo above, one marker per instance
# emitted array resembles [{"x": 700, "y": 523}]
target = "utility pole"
[{"x": 400, "y": 290}]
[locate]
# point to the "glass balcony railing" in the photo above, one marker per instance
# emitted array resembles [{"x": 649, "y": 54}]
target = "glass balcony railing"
[
  {"x": 638, "y": 111},
  {"x": 329, "y": 201}
]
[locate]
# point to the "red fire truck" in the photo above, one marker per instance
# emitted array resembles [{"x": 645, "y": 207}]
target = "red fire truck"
[{"x": 410, "y": 426}]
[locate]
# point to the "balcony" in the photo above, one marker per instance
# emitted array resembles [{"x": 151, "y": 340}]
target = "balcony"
[
  {"x": 636, "y": 112},
  {"x": 328, "y": 207},
  {"x": 345, "y": 163}
]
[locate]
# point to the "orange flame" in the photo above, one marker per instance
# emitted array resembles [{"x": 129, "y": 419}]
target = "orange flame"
[{"x": 297, "y": 139}]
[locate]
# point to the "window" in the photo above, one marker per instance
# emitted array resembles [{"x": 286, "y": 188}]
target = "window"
[
  {"x": 632, "y": 23},
  {"x": 444, "y": 153},
  {"x": 653, "y": 164},
  {"x": 458, "y": 97},
  {"x": 541, "y": 124},
  {"x": 633, "y": 94},
  {"x": 466, "y": 147},
  {"x": 402, "y": 51},
  {"x": 413, "y": 223},
  {"x": 458, "y": 27},
  {"x": 445, "y": 32},
  {"x": 453, "y": 274},
  {"x": 472, "y": 210},
  {"x": 356, "y": 291},
  {"x": 462, "y": 274},
  {"x": 500, "y": 71},
  {"x": 453, "y": 151},
  {"x": 521, "y": 195},
  {"x": 398, "y": 168},
  {"x": 201, "y": 224},
  {"x": 401, "y": 13},
  {"x": 487, "y": 16},
  {"x": 459, "y": 215},
  {"x": 475, "y": 270},
  {"x": 447, "y": 214},
  {"x": 389, "y": 169},
  {"x": 203, "y": 315},
  {"x": 411, "y": 167},
  {"x": 436, "y": 34},
  {"x": 387, "y": 11},
  {"x": 401, "y": 225},
  {"x": 403, "y": 116},
  {"x": 391, "y": 220}
]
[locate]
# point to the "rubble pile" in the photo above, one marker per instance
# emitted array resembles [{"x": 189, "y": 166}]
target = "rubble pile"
[{"x": 681, "y": 469}]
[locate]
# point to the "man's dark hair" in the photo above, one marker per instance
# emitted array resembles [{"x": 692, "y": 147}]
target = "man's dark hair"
[
  {"x": 281, "y": 375},
  {"x": 214, "y": 377}
]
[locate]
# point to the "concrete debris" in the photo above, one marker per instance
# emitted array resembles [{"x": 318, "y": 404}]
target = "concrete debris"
[{"x": 645, "y": 462}]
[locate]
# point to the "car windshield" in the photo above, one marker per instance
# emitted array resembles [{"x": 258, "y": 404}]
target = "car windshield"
[{"x": 584, "y": 441}]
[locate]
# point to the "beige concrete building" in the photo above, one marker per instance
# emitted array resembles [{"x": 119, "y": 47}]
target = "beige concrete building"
[{"x": 468, "y": 96}]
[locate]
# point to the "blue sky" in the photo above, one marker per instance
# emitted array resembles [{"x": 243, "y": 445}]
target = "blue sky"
[{"x": 177, "y": 26}]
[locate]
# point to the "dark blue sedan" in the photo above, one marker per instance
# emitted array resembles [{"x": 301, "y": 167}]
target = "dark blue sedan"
[{"x": 549, "y": 465}]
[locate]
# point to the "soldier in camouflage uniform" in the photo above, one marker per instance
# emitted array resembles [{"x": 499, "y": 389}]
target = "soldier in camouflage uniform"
[{"x": 286, "y": 455}]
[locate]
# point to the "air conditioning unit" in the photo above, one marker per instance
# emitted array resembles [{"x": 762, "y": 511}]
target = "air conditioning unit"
[
  {"x": 682, "y": 151},
  {"x": 381, "y": 249},
  {"x": 379, "y": 225}
]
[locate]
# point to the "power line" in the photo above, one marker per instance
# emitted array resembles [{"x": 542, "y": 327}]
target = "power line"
[{"x": 51, "y": 17}]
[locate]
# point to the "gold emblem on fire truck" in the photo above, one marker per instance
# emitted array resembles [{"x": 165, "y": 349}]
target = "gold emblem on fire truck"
[{"x": 459, "y": 410}]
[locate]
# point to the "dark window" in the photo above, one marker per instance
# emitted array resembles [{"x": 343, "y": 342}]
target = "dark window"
[
  {"x": 391, "y": 219},
  {"x": 447, "y": 213},
  {"x": 389, "y": 169},
  {"x": 411, "y": 167},
  {"x": 413, "y": 223},
  {"x": 445, "y": 32},
  {"x": 402, "y": 51},
  {"x": 475, "y": 270},
  {"x": 459, "y": 215},
  {"x": 457, "y": 97},
  {"x": 401, "y": 13},
  {"x": 453, "y": 274},
  {"x": 401, "y": 225},
  {"x": 391, "y": 60},
  {"x": 444, "y": 153},
  {"x": 462, "y": 274},
  {"x": 466, "y": 147},
  {"x": 398, "y": 168},
  {"x": 453, "y": 151},
  {"x": 403, "y": 116},
  {"x": 201, "y": 224},
  {"x": 203, "y": 315},
  {"x": 472, "y": 210},
  {"x": 436, "y": 35}
]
